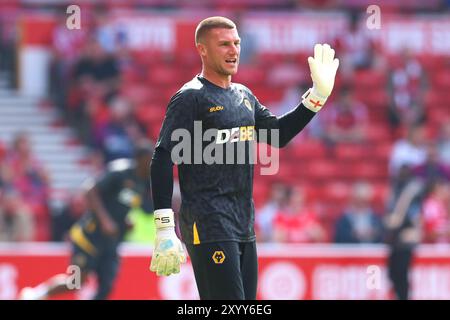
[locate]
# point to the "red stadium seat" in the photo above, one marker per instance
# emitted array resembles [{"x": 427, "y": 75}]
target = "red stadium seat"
[
  {"x": 2, "y": 151},
  {"x": 311, "y": 149},
  {"x": 288, "y": 173},
  {"x": 440, "y": 79},
  {"x": 162, "y": 75},
  {"x": 377, "y": 117},
  {"x": 436, "y": 99},
  {"x": 352, "y": 152},
  {"x": 320, "y": 169},
  {"x": 381, "y": 151},
  {"x": 260, "y": 192},
  {"x": 369, "y": 79},
  {"x": 150, "y": 113},
  {"x": 337, "y": 192},
  {"x": 267, "y": 95},
  {"x": 250, "y": 75},
  {"x": 394, "y": 60},
  {"x": 377, "y": 99},
  {"x": 378, "y": 133},
  {"x": 131, "y": 76},
  {"x": 146, "y": 58},
  {"x": 367, "y": 170},
  {"x": 438, "y": 116},
  {"x": 432, "y": 63}
]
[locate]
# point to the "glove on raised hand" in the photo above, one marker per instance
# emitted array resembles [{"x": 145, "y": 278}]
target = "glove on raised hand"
[{"x": 323, "y": 69}]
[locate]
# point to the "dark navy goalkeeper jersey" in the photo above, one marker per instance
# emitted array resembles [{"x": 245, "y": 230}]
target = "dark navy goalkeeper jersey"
[{"x": 217, "y": 202}]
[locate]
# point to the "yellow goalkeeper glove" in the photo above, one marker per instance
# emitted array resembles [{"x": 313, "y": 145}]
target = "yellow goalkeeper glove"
[
  {"x": 168, "y": 253},
  {"x": 323, "y": 69}
]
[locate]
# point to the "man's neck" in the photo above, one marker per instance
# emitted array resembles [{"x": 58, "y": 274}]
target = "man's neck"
[{"x": 219, "y": 80}]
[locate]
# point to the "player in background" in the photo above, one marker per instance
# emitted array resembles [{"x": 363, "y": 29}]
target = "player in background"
[{"x": 97, "y": 235}]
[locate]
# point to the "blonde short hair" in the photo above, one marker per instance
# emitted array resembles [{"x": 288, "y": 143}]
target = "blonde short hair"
[{"x": 211, "y": 23}]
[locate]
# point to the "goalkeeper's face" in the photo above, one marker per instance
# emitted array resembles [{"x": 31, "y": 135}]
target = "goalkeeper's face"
[{"x": 221, "y": 50}]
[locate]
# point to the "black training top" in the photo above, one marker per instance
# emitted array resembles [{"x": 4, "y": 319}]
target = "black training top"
[
  {"x": 216, "y": 175},
  {"x": 120, "y": 190}
]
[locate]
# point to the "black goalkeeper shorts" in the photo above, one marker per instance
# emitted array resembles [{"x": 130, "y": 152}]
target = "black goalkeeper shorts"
[{"x": 225, "y": 270}]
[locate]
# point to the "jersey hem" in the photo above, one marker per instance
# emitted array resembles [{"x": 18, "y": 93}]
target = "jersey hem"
[{"x": 222, "y": 240}]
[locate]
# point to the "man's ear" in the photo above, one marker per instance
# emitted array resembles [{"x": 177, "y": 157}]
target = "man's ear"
[{"x": 201, "y": 49}]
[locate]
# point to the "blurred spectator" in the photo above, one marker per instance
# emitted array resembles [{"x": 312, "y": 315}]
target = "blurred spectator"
[
  {"x": 66, "y": 45},
  {"x": 105, "y": 34},
  {"x": 408, "y": 152},
  {"x": 2, "y": 152},
  {"x": 94, "y": 114},
  {"x": 278, "y": 199},
  {"x": 248, "y": 42},
  {"x": 357, "y": 50},
  {"x": 96, "y": 69},
  {"x": 444, "y": 143},
  {"x": 345, "y": 121},
  {"x": 117, "y": 136},
  {"x": 407, "y": 86},
  {"x": 436, "y": 213},
  {"x": 16, "y": 220},
  {"x": 359, "y": 223},
  {"x": 296, "y": 223},
  {"x": 96, "y": 78},
  {"x": 289, "y": 72},
  {"x": 9, "y": 41},
  {"x": 433, "y": 167},
  {"x": 25, "y": 175}
]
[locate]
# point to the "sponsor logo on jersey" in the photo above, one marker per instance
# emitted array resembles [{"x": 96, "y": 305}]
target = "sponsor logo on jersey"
[{"x": 245, "y": 133}]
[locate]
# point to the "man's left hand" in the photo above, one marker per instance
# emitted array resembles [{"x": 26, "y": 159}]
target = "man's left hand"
[{"x": 323, "y": 69}]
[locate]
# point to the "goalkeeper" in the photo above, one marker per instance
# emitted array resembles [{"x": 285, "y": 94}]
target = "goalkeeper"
[{"x": 217, "y": 211}]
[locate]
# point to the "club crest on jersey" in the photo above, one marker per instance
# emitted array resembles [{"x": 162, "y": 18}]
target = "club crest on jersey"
[
  {"x": 247, "y": 104},
  {"x": 218, "y": 257}
]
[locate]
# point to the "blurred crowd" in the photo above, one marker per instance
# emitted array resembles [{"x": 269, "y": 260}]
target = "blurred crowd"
[
  {"x": 89, "y": 70},
  {"x": 24, "y": 187}
]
